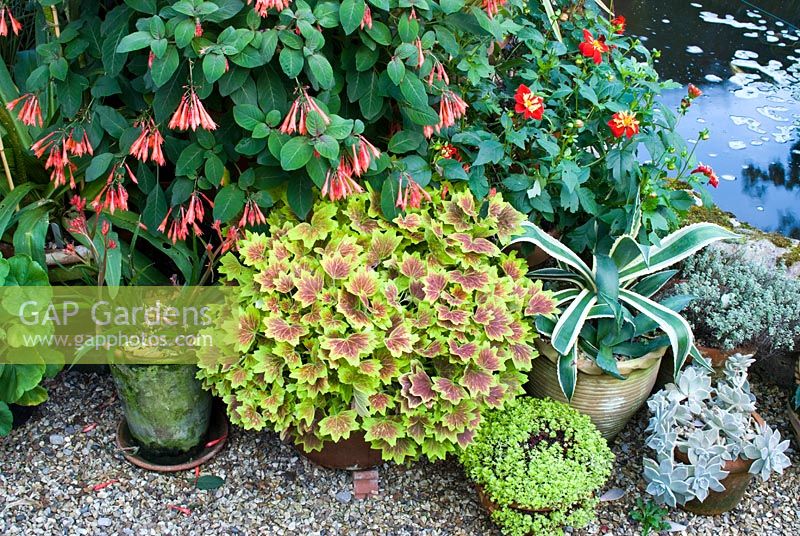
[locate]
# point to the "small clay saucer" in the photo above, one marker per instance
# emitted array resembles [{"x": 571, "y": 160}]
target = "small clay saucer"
[{"x": 217, "y": 428}]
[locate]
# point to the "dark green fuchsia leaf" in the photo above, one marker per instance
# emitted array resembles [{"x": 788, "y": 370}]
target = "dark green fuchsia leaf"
[
  {"x": 209, "y": 482},
  {"x": 228, "y": 203},
  {"x": 351, "y": 12},
  {"x": 296, "y": 153}
]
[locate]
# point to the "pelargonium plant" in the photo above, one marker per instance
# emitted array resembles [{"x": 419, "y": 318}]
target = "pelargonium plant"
[
  {"x": 712, "y": 424},
  {"x": 405, "y": 330}
]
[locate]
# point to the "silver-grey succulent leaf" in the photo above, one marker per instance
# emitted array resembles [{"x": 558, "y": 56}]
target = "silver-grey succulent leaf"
[
  {"x": 667, "y": 481},
  {"x": 694, "y": 384},
  {"x": 707, "y": 442},
  {"x": 767, "y": 450},
  {"x": 707, "y": 474},
  {"x": 736, "y": 400}
]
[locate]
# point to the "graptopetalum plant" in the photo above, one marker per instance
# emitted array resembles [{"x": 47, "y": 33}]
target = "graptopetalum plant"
[
  {"x": 405, "y": 330},
  {"x": 607, "y": 310},
  {"x": 711, "y": 424}
]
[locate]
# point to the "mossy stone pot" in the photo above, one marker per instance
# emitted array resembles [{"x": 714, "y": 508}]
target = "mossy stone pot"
[
  {"x": 609, "y": 402},
  {"x": 719, "y": 502},
  {"x": 165, "y": 406}
]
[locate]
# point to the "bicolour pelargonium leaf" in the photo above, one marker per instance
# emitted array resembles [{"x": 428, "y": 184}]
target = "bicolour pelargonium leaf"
[
  {"x": 435, "y": 450},
  {"x": 383, "y": 429},
  {"x": 305, "y": 411},
  {"x": 380, "y": 402},
  {"x": 431, "y": 350},
  {"x": 400, "y": 340},
  {"x": 465, "y": 352},
  {"x": 309, "y": 287},
  {"x": 421, "y": 385},
  {"x": 284, "y": 284},
  {"x": 250, "y": 417},
  {"x": 350, "y": 348},
  {"x": 540, "y": 303},
  {"x": 363, "y": 283},
  {"x": 468, "y": 244},
  {"x": 451, "y": 317},
  {"x": 254, "y": 249},
  {"x": 347, "y": 246},
  {"x": 495, "y": 320},
  {"x": 496, "y": 396},
  {"x": 360, "y": 220},
  {"x": 465, "y": 438},
  {"x": 389, "y": 368},
  {"x": 268, "y": 364},
  {"x": 382, "y": 245},
  {"x": 412, "y": 267},
  {"x": 322, "y": 223},
  {"x": 521, "y": 355},
  {"x": 339, "y": 426},
  {"x": 239, "y": 376},
  {"x": 309, "y": 373},
  {"x": 507, "y": 218},
  {"x": 309, "y": 442},
  {"x": 433, "y": 285},
  {"x": 514, "y": 268},
  {"x": 448, "y": 390},
  {"x": 487, "y": 359},
  {"x": 248, "y": 326},
  {"x": 409, "y": 222},
  {"x": 477, "y": 381},
  {"x": 277, "y": 328},
  {"x": 456, "y": 216},
  {"x": 417, "y": 427},
  {"x": 337, "y": 266},
  {"x": 370, "y": 367},
  {"x": 273, "y": 401},
  {"x": 470, "y": 279},
  {"x": 456, "y": 419},
  {"x": 404, "y": 449},
  {"x": 349, "y": 305}
]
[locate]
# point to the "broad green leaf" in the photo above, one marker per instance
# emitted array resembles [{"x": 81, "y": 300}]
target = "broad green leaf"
[
  {"x": 296, "y": 153},
  {"x": 228, "y": 203},
  {"x": 300, "y": 195},
  {"x": 321, "y": 70},
  {"x": 6, "y": 419},
  {"x": 351, "y": 12},
  {"x": 405, "y": 141},
  {"x": 134, "y": 41},
  {"x": 413, "y": 90},
  {"x": 208, "y": 482},
  {"x": 291, "y": 61},
  {"x": 190, "y": 159},
  {"x": 489, "y": 151},
  {"x": 98, "y": 166},
  {"x": 214, "y": 67},
  {"x": 247, "y": 116}
]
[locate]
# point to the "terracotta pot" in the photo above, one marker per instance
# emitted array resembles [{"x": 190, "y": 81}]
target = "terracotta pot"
[
  {"x": 609, "y": 402},
  {"x": 538, "y": 255},
  {"x": 717, "y": 357},
  {"x": 719, "y": 502},
  {"x": 353, "y": 454},
  {"x": 794, "y": 419}
]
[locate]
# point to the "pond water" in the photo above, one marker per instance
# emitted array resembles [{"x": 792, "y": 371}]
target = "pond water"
[{"x": 745, "y": 56}]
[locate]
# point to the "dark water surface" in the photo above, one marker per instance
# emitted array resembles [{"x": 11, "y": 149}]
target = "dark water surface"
[{"x": 745, "y": 56}]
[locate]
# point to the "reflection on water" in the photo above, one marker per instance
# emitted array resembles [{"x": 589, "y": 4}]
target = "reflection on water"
[{"x": 745, "y": 55}]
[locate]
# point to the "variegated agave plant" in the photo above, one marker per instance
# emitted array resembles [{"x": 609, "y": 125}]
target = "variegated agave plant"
[
  {"x": 405, "y": 330},
  {"x": 607, "y": 310},
  {"x": 712, "y": 424}
]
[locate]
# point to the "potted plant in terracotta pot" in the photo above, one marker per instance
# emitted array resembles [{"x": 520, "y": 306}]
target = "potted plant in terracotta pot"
[
  {"x": 537, "y": 465},
  {"x": 708, "y": 440},
  {"x": 604, "y": 348},
  {"x": 359, "y": 338},
  {"x": 739, "y": 306}
]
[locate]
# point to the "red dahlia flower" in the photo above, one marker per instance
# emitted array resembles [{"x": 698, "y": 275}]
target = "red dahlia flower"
[
  {"x": 713, "y": 180},
  {"x": 529, "y": 105},
  {"x": 593, "y": 48},
  {"x": 694, "y": 91},
  {"x": 624, "y": 124},
  {"x": 619, "y": 24}
]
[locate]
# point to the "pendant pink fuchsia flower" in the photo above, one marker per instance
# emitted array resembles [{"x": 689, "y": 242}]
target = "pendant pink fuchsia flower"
[
  {"x": 191, "y": 114},
  {"x": 366, "y": 20},
  {"x": 295, "y": 120},
  {"x": 114, "y": 196},
  {"x": 339, "y": 185},
  {"x": 16, "y": 26},
  {"x": 451, "y": 108},
  {"x": 262, "y": 7},
  {"x": 492, "y": 7},
  {"x": 148, "y": 144},
  {"x": 58, "y": 153},
  {"x": 31, "y": 113},
  {"x": 410, "y": 193}
]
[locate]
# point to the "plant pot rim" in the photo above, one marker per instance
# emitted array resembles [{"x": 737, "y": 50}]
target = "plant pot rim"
[
  {"x": 588, "y": 366},
  {"x": 218, "y": 427},
  {"x": 351, "y": 454},
  {"x": 739, "y": 465}
]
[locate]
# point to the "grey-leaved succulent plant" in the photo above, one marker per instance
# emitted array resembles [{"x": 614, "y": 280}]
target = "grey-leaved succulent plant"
[{"x": 711, "y": 423}]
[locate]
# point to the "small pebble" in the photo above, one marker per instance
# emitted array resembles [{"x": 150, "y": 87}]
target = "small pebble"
[
  {"x": 344, "y": 496},
  {"x": 56, "y": 439}
]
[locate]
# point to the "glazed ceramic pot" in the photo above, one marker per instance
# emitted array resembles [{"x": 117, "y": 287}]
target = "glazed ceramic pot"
[{"x": 608, "y": 401}]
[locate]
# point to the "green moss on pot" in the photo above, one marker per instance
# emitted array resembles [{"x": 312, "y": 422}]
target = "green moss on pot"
[{"x": 165, "y": 406}]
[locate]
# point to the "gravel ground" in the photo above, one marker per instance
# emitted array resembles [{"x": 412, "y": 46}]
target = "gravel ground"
[{"x": 48, "y": 470}]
